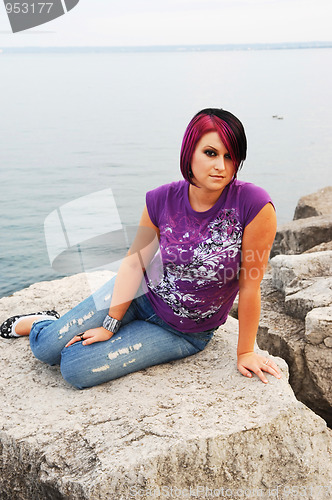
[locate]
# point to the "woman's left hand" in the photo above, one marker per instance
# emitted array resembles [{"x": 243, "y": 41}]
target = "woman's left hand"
[
  {"x": 91, "y": 336},
  {"x": 253, "y": 362}
]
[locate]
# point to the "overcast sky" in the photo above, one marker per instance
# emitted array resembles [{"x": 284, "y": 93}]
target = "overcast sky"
[{"x": 152, "y": 22}]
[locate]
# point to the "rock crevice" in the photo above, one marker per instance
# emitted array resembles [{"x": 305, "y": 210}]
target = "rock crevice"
[{"x": 296, "y": 316}]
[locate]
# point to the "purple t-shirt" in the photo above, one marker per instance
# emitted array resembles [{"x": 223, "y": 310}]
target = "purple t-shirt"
[{"x": 192, "y": 280}]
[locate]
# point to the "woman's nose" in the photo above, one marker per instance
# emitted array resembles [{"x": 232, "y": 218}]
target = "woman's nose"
[{"x": 220, "y": 163}]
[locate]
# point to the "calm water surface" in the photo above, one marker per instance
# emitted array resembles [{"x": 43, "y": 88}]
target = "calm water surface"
[{"x": 75, "y": 124}]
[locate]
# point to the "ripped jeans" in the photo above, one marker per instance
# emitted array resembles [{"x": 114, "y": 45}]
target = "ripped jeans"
[{"x": 143, "y": 340}]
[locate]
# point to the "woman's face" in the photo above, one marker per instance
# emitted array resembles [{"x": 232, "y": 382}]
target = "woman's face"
[{"x": 211, "y": 164}]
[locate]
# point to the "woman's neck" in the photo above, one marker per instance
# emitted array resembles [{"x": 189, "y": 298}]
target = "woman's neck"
[{"x": 201, "y": 200}]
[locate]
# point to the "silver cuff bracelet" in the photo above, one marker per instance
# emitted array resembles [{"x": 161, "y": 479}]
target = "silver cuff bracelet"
[{"x": 111, "y": 324}]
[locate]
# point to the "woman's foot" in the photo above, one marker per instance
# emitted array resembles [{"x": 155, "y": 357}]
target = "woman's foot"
[{"x": 20, "y": 325}]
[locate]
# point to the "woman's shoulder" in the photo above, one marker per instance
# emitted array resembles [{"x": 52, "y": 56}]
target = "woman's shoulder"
[
  {"x": 172, "y": 188},
  {"x": 249, "y": 190},
  {"x": 250, "y": 199},
  {"x": 159, "y": 200}
]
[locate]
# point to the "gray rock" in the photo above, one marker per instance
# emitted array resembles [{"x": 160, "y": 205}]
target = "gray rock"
[
  {"x": 318, "y": 326},
  {"x": 309, "y": 364},
  {"x": 319, "y": 203},
  {"x": 301, "y": 296},
  {"x": 299, "y": 235},
  {"x": 318, "y": 359},
  {"x": 297, "y": 301},
  {"x": 322, "y": 247},
  {"x": 192, "y": 423},
  {"x": 287, "y": 268}
]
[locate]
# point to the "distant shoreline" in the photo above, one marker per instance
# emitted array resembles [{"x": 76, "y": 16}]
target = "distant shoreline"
[{"x": 170, "y": 48}]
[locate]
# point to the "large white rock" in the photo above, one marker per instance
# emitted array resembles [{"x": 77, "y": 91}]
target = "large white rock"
[
  {"x": 304, "y": 295},
  {"x": 195, "y": 423},
  {"x": 311, "y": 225},
  {"x": 299, "y": 235},
  {"x": 318, "y": 325},
  {"x": 315, "y": 204},
  {"x": 286, "y": 268}
]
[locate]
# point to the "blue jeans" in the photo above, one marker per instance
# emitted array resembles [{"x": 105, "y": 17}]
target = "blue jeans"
[{"x": 143, "y": 340}]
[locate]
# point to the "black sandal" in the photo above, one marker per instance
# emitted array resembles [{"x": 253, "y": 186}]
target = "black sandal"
[{"x": 6, "y": 329}]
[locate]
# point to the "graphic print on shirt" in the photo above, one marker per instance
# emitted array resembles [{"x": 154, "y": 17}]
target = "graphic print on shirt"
[{"x": 200, "y": 257}]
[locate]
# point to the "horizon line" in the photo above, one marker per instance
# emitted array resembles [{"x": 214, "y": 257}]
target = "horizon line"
[
  {"x": 329, "y": 42},
  {"x": 178, "y": 48}
]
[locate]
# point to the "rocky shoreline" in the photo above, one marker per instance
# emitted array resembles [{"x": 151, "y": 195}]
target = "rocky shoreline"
[
  {"x": 194, "y": 425},
  {"x": 297, "y": 302}
]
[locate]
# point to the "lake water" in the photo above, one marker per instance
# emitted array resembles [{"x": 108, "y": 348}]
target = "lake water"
[{"x": 73, "y": 124}]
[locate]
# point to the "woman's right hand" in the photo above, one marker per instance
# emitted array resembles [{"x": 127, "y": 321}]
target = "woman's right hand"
[{"x": 91, "y": 336}]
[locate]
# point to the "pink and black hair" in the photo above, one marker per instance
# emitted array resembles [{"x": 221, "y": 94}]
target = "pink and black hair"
[{"x": 230, "y": 130}]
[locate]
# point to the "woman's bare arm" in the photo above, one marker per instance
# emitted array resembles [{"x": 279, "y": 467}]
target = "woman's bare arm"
[{"x": 257, "y": 241}]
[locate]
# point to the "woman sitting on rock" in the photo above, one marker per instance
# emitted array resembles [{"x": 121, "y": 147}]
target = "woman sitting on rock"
[{"x": 200, "y": 241}]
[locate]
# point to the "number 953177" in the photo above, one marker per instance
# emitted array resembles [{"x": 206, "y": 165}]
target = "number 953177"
[{"x": 29, "y": 8}]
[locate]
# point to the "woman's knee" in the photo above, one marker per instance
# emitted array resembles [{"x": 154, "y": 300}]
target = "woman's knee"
[
  {"x": 70, "y": 369},
  {"x": 40, "y": 344},
  {"x": 75, "y": 366},
  {"x": 73, "y": 379}
]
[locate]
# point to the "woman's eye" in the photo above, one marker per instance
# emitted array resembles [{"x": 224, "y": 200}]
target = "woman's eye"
[
  {"x": 228, "y": 156},
  {"x": 210, "y": 152}
]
